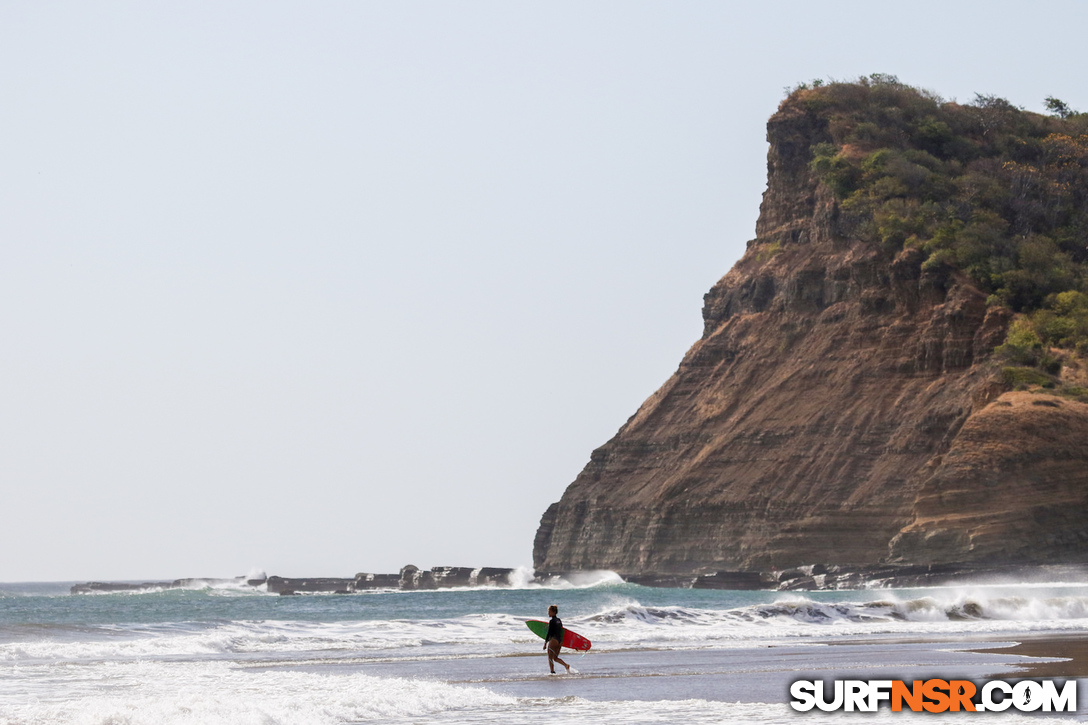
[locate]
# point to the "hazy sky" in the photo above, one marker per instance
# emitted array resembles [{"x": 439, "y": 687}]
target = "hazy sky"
[{"x": 332, "y": 287}]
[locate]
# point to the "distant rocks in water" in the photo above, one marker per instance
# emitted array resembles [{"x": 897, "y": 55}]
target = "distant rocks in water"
[
  {"x": 818, "y": 577},
  {"x": 102, "y": 587},
  {"x": 282, "y": 585},
  {"x": 811, "y": 577},
  {"x": 410, "y": 578},
  {"x": 491, "y": 576},
  {"x": 447, "y": 577},
  {"x": 376, "y": 581},
  {"x": 190, "y": 583},
  {"x": 734, "y": 580}
]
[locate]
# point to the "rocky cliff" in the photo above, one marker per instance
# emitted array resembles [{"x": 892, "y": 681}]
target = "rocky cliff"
[{"x": 843, "y": 406}]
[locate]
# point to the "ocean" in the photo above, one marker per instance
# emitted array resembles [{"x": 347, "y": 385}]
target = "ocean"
[{"x": 234, "y": 655}]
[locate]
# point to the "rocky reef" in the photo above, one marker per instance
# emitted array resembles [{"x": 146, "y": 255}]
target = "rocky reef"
[
  {"x": 843, "y": 408},
  {"x": 189, "y": 583},
  {"x": 410, "y": 577}
]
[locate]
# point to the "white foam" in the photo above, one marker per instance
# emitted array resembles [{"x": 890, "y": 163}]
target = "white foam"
[
  {"x": 578, "y": 711},
  {"x": 493, "y": 632},
  {"x": 187, "y": 693},
  {"x": 194, "y": 693},
  {"x": 596, "y": 578},
  {"x": 948, "y": 612},
  {"x": 523, "y": 578},
  {"x": 520, "y": 578}
]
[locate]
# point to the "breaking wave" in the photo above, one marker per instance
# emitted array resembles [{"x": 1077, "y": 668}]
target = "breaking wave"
[
  {"x": 925, "y": 609},
  {"x": 158, "y": 693},
  {"x": 798, "y": 616}
]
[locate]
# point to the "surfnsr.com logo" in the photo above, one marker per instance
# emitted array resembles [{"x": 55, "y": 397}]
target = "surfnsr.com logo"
[{"x": 935, "y": 695}]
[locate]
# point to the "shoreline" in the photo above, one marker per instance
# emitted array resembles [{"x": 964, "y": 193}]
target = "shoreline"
[
  {"x": 758, "y": 673},
  {"x": 1071, "y": 649},
  {"x": 1042, "y": 655}
]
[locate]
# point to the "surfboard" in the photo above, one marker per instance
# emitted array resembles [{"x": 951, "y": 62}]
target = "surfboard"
[{"x": 571, "y": 640}]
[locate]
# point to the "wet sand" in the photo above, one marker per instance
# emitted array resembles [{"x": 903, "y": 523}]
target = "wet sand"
[
  {"x": 1071, "y": 650},
  {"x": 751, "y": 674}
]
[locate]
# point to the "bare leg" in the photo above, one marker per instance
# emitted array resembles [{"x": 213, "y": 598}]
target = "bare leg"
[{"x": 553, "y": 655}]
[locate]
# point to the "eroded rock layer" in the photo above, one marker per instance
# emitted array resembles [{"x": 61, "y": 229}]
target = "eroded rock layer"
[{"x": 842, "y": 406}]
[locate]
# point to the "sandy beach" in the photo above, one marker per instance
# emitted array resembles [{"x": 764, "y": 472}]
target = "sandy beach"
[
  {"x": 1052, "y": 655},
  {"x": 750, "y": 675}
]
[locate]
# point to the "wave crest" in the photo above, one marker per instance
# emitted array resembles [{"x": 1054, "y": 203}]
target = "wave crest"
[
  {"x": 924, "y": 609},
  {"x": 631, "y": 622}
]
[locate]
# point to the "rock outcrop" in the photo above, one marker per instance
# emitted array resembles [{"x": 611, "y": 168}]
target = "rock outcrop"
[
  {"x": 1011, "y": 488},
  {"x": 190, "y": 583},
  {"x": 310, "y": 585},
  {"x": 843, "y": 406},
  {"x": 445, "y": 577},
  {"x": 409, "y": 578}
]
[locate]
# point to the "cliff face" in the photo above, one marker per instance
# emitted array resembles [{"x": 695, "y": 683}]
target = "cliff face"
[{"x": 842, "y": 406}]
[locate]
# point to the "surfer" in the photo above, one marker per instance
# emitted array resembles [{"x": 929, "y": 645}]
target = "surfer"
[{"x": 554, "y": 639}]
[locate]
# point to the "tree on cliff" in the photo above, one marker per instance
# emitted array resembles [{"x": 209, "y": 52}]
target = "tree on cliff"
[{"x": 1058, "y": 107}]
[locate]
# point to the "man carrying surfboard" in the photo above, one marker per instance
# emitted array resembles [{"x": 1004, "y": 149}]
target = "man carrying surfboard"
[
  {"x": 555, "y": 635},
  {"x": 554, "y": 639}
]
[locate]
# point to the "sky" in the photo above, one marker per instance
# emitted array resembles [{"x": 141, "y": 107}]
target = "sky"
[{"x": 326, "y": 288}]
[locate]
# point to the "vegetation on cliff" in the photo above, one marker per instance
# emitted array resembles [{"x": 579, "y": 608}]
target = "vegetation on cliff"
[{"x": 996, "y": 192}]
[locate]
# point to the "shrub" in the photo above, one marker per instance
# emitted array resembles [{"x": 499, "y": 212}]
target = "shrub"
[
  {"x": 1021, "y": 378},
  {"x": 768, "y": 251},
  {"x": 1022, "y": 344},
  {"x": 989, "y": 189},
  {"x": 986, "y": 188},
  {"x": 1063, "y": 321}
]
